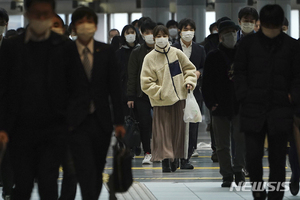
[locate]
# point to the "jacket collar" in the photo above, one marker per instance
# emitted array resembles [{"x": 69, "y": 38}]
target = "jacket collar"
[{"x": 164, "y": 50}]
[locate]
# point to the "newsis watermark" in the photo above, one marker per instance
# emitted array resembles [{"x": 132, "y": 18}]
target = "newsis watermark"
[{"x": 260, "y": 186}]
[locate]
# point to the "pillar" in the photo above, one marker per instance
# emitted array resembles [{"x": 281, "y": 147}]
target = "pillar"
[
  {"x": 229, "y": 8},
  {"x": 158, "y": 11},
  {"x": 195, "y": 10}
]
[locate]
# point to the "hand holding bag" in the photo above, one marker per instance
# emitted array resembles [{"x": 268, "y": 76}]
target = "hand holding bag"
[
  {"x": 192, "y": 111},
  {"x": 121, "y": 178}
]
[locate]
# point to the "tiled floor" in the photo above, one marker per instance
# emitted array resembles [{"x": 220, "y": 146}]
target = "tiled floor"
[{"x": 204, "y": 182}]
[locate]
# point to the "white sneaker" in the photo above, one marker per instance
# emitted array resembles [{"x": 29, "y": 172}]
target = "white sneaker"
[
  {"x": 195, "y": 154},
  {"x": 147, "y": 159}
]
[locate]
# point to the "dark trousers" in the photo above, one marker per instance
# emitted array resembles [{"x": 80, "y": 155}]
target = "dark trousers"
[
  {"x": 277, "y": 155},
  {"x": 89, "y": 145},
  {"x": 193, "y": 136},
  {"x": 222, "y": 130},
  {"x": 293, "y": 155},
  {"x": 69, "y": 183},
  {"x": 7, "y": 174},
  {"x": 212, "y": 135},
  {"x": 35, "y": 154},
  {"x": 143, "y": 108}
]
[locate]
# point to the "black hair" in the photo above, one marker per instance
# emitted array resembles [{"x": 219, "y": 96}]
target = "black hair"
[
  {"x": 185, "y": 22},
  {"x": 147, "y": 25},
  {"x": 244, "y": 12},
  {"x": 114, "y": 29},
  {"x": 129, "y": 26},
  {"x": 172, "y": 23},
  {"x": 4, "y": 15},
  {"x": 271, "y": 15},
  {"x": 20, "y": 30},
  {"x": 61, "y": 20},
  {"x": 212, "y": 26},
  {"x": 142, "y": 19},
  {"x": 10, "y": 33},
  {"x": 160, "y": 23},
  {"x": 135, "y": 22},
  {"x": 160, "y": 28},
  {"x": 285, "y": 22},
  {"x": 29, "y": 3},
  {"x": 82, "y": 12}
]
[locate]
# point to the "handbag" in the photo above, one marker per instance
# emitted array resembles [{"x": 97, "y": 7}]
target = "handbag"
[
  {"x": 121, "y": 178},
  {"x": 192, "y": 111},
  {"x": 132, "y": 137}
]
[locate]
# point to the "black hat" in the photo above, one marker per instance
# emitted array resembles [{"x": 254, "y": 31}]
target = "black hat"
[
  {"x": 222, "y": 19},
  {"x": 227, "y": 24}
]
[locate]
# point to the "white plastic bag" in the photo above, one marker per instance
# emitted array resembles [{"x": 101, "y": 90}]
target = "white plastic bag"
[{"x": 192, "y": 111}]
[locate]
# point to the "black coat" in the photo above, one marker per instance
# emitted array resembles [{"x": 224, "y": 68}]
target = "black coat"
[
  {"x": 135, "y": 64},
  {"x": 218, "y": 88},
  {"x": 105, "y": 83},
  {"x": 197, "y": 58},
  {"x": 57, "y": 83},
  {"x": 265, "y": 72},
  {"x": 123, "y": 55}
]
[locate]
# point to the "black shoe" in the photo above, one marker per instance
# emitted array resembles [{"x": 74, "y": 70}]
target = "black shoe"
[
  {"x": 174, "y": 165},
  {"x": 137, "y": 151},
  {"x": 227, "y": 181},
  {"x": 166, "y": 165},
  {"x": 260, "y": 195},
  {"x": 185, "y": 164},
  {"x": 239, "y": 178},
  {"x": 214, "y": 157},
  {"x": 294, "y": 186}
]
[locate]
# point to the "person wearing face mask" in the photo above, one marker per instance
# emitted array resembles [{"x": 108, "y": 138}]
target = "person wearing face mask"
[
  {"x": 219, "y": 96},
  {"x": 247, "y": 18},
  {"x": 58, "y": 25},
  {"x": 136, "y": 97},
  {"x": 197, "y": 55},
  {"x": 4, "y": 18},
  {"x": 268, "y": 98},
  {"x": 285, "y": 26},
  {"x": 35, "y": 83},
  {"x": 90, "y": 117},
  {"x": 166, "y": 76},
  {"x": 172, "y": 25},
  {"x": 130, "y": 41}
]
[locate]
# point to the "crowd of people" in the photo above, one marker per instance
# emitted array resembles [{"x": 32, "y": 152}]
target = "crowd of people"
[{"x": 62, "y": 93}]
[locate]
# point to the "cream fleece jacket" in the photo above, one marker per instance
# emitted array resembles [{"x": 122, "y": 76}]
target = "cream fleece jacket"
[{"x": 165, "y": 74}]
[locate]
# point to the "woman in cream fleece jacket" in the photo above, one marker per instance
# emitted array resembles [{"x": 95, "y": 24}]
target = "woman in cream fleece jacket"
[{"x": 166, "y": 76}]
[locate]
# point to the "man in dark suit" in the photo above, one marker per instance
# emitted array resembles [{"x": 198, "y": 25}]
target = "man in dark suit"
[
  {"x": 197, "y": 55},
  {"x": 90, "y": 117},
  {"x": 34, "y": 91}
]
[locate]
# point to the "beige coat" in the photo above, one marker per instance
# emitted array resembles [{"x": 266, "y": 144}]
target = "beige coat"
[{"x": 165, "y": 74}]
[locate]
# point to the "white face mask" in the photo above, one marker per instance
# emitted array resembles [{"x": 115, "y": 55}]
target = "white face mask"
[
  {"x": 58, "y": 30},
  {"x": 86, "y": 31},
  {"x": 130, "y": 38},
  {"x": 247, "y": 27},
  {"x": 173, "y": 32},
  {"x": 149, "y": 39},
  {"x": 229, "y": 40},
  {"x": 187, "y": 35},
  {"x": 40, "y": 26},
  {"x": 215, "y": 31},
  {"x": 162, "y": 42},
  {"x": 73, "y": 37},
  {"x": 286, "y": 32},
  {"x": 2, "y": 29}
]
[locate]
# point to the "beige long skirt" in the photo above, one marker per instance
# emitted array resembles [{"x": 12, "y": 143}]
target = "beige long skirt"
[{"x": 168, "y": 132}]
